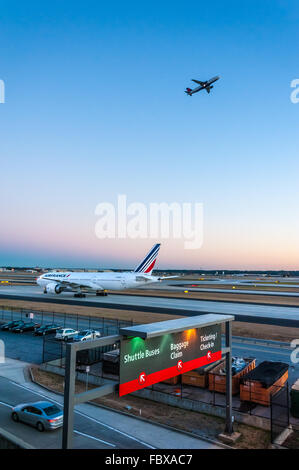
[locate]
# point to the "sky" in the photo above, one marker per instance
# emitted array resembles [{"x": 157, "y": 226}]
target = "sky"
[{"x": 95, "y": 108}]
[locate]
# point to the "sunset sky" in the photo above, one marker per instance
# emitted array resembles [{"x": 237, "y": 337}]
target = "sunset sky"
[{"x": 95, "y": 108}]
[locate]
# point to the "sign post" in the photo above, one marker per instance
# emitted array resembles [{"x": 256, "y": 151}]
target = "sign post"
[
  {"x": 87, "y": 372},
  {"x": 228, "y": 366}
]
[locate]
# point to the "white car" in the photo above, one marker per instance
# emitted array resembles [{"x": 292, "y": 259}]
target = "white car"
[
  {"x": 87, "y": 335},
  {"x": 66, "y": 333}
]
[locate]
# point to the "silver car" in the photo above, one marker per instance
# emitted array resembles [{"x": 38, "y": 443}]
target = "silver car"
[
  {"x": 41, "y": 414},
  {"x": 66, "y": 333},
  {"x": 86, "y": 335}
]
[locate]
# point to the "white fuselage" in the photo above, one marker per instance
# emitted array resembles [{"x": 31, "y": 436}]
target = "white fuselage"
[{"x": 95, "y": 281}]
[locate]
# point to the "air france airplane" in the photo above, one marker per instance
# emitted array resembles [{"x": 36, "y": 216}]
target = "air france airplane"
[{"x": 57, "y": 282}]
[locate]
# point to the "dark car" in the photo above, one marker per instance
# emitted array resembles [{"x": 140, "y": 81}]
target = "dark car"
[
  {"x": 46, "y": 330},
  {"x": 26, "y": 326},
  {"x": 11, "y": 324}
]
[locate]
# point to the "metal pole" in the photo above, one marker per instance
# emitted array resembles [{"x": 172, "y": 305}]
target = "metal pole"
[
  {"x": 229, "y": 397},
  {"x": 69, "y": 394},
  {"x": 288, "y": 404}
]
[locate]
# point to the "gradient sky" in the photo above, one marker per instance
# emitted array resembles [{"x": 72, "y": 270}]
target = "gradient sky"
[{"x": 95, "y": 107}]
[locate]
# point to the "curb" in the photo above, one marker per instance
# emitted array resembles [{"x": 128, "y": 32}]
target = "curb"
[{"x": 15, "y": 440}]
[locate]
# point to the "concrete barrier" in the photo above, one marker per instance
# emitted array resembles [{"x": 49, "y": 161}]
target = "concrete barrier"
[{"x": 9, "y": 441}]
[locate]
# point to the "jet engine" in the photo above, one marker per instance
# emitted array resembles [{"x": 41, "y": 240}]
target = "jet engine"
[{"x": 54, "y": 288}]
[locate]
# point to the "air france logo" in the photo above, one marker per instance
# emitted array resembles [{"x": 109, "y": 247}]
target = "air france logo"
[{"x": 56, "y": 275}]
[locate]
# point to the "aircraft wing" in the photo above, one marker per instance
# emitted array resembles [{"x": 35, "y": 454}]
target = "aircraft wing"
[
  {"x": 199, "y": 83},
  {"x": 167, "y": 277}
]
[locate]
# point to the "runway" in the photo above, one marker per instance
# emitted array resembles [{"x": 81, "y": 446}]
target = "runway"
[
  {"x": 228, "y": 283},
  {"x": 182, "y": 287},
  {"x": 254, "y": 313}
]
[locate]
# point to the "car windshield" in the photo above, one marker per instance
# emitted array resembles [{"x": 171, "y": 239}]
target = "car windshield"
[
  {"x": 51, "y": 410},
  {"x": 83, "y": 333}
]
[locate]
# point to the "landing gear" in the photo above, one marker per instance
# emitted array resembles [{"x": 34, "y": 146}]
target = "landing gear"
[
  {"x": 45, "y": 291},
  {"x": 102, "y": 293},
  {"x": 79, "y": 294}
]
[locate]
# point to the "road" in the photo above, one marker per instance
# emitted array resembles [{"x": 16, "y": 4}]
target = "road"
[
  {"x": 94, "y": 427},
  {"x": 256, "y": 313}
]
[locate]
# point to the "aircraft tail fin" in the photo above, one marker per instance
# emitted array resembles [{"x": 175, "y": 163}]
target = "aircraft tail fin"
[
  {"x": 188, "y": 91},
  {"x": 148, "y": 263}
]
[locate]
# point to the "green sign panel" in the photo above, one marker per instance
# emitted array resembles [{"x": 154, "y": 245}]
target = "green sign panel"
[{"x": 145, "y": 362}]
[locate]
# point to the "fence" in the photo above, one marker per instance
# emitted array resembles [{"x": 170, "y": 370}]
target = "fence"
[
  {"x": 280, "y": 413},
  {"x": 107, "y": 326},
  {"x": 209, "y": 396},
  {"x": 54, "y": 350}
]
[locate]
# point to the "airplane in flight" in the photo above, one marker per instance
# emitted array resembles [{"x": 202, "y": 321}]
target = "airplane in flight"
[
  {"x": 57, "y": 282},
  {"x": 202, "y": 86}
]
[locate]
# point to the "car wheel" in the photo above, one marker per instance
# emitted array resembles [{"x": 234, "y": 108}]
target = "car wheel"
[
  {"x": 40, "y": 427},
  {"x": 15, "y": 417}
]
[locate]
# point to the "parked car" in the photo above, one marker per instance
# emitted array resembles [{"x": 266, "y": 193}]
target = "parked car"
[
  {"x": 11, "y": 324},
  {"x": 46, "y": 330},
  {"x": 42, "y": 414},
  {"x": 66, "y": 333},
  {"x": 25, "y": 326},
  {"x": 87, "y": 335}
]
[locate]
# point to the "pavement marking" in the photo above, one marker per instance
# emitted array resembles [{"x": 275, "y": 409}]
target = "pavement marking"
[
  {"x": 5, "y": 404},
  {"x": 86, "y": 416},
  {"x": 95, "y": 438},
  {"x": 280, "y": 353},
  {"x": 117, "y": 430}
]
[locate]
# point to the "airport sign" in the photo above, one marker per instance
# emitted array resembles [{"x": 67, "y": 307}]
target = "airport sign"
[{"x": 144, "y": 362}]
